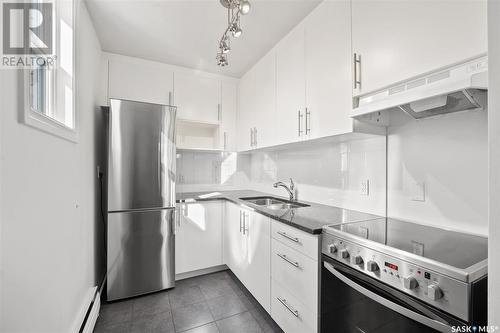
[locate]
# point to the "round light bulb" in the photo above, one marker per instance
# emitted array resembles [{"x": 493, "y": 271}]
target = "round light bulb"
[
  {"x": 244, "y": 7},
  {"x": 237, "y": 32}
]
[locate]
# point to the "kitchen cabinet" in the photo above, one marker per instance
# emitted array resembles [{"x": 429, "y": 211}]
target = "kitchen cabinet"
[
  {"x": 141, "y": 81},
  {"x": 247, "y": 242},
  {"x": 397, "y": 40},
  {"x": 290, "y": 86},
  {"x": 328, "y": 78},
  {"x": 265, "y": 102},
  {"x": 198, "y": 240},
  {"x": 246, "y": 111},
  {"x": 197, "y": 98},
  {"x": 228, "y": 112}
]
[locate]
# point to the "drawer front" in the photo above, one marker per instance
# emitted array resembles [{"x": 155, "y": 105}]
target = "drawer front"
[
  {"x": 301, "y": 241},
  {"x": 296, "y": 272},
  {"x": 291, "y": 314}
]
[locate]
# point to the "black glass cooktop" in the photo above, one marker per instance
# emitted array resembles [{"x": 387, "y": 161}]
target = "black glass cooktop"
[{"x": 453, "y": 248}]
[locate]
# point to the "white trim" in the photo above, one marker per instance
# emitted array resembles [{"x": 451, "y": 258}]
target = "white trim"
[
  {"x": 84, "y": 307},
  {"x": 45, "y": 123}
]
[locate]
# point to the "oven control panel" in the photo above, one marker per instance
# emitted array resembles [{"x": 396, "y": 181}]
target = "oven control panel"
[{"x": 441, "y": 291}]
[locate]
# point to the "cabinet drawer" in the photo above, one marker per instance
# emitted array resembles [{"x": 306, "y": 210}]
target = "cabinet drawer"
[
  {"x": 298, "y": 240},
  {"x": 296, "y": 272},
  {"x": 291, "y": 314}
]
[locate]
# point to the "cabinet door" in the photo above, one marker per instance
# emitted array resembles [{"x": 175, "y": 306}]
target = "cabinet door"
[
  {"x": 290, "y": 86},
  {"x": 328, "y": 70},
  {"x": 401, "y": 39},
  {"x": 140, "y": 81},
  {"x": 197, "y": 98},
  {"x": 228, "y": 110},
  {"x": 257, "y": 274},
  {"x": 198, "y": 242},
  {"x": 234, "y": 242},
  {"x": 265, "y": 100},
  {"x": 246, "y": 116}
]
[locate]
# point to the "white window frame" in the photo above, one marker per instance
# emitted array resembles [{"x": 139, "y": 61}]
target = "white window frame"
[{"x": 40, "y": 121}]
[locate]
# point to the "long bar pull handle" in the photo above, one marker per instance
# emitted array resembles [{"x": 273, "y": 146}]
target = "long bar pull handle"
[
  {"x": 357, "y": 71},
  {"x": 289, "y": 308},
  {"x": 291, "y": 262},
  {"x": 225, "y": 140},
  {"x": 284, "y": 234},
  {"x": 241, "y": 228},
  {"x": 251, "y": 137},
  {"x": 255, "y": 135},
  {"x": 308, "y": 124},
  {"x": 219, "y": 114},
  {"x": 245, "y": 225},
  {"x": 300, "y": 121}
]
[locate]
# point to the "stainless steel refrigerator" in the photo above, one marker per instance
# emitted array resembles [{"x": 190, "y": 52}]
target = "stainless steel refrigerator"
[{"x": 141, "y": 198}]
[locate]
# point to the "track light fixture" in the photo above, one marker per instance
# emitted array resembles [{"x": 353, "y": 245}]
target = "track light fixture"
[{"x": 235, "y": 8}]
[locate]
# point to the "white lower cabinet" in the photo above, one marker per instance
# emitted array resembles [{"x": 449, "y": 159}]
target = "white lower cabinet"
[
  {"x": 290, "y": 313},
  {"x": 198, "y": 239},
  {"x": 247, "y": 249}
]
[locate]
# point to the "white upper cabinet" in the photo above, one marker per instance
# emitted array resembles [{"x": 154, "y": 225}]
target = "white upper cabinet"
[
  {"x": 328, "y": 70},
  {"x": 265, "y": 101},
  {"x": 197, "y": 98},
  {"x": 290, "y": 86},
  {"x": 246, "y": 111},
  {"x": 397, "y": 40},
  {"x": 141, "y": 81},
  {"x": 228, "y": 112}
]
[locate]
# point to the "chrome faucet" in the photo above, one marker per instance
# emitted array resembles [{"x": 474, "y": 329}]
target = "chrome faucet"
[{"x": 290, "y": 189}]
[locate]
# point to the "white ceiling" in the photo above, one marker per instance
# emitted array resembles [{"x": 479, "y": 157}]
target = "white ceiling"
[{"x": 186, "y": 32}]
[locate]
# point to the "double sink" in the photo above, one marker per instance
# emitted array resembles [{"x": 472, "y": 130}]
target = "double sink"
[{"x": 274, "y": 203}]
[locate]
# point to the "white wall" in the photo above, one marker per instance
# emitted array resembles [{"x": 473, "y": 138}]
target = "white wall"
[
  {"x": 49, "y": 216},
  {"x": 494, "y": 162},
  {"x": 449, "y": 155}
]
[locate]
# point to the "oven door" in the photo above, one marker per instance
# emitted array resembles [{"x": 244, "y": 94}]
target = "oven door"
[{"x": 354, "y": 302}]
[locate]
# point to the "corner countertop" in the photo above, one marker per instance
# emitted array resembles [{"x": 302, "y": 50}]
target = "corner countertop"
[{"x": 310, "y": 219}]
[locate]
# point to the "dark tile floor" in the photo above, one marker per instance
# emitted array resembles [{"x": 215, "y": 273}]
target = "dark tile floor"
[{"x": 212, "y": 303}]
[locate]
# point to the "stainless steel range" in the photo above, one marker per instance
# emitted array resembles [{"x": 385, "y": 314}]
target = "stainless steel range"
[{"x": 406, "y": 276}]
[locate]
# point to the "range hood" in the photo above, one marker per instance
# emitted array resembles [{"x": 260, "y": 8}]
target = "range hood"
[{"x": 459, "y": 87}]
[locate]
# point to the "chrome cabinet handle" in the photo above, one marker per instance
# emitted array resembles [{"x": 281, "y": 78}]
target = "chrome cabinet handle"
[
  {"x": 284, "y": 234},
  {"x": 245, "y": 225},
  {"x": 308, "y": 121},
  {"x": 255, "y": 135},
  {"x": 300, "y": 121},
  {"x": 289, "y": 308},
  {"x": 225, "y": 140},
  {"x": 291, "y": 262},
  {"x": 219, "y": 114},
  {"x": 241, "y": 228},
  {"x": 357, "y": 73},
  {"x": 251, "y": 137}
]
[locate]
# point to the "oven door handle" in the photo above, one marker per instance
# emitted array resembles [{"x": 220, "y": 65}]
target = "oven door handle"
[{"x": 438, "y": 325}]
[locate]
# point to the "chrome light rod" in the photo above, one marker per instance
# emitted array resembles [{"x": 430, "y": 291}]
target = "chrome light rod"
[{"x": 235, "y": 8}]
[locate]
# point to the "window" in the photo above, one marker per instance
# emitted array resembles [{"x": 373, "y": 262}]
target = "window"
[{"x": 49, "y": 87}]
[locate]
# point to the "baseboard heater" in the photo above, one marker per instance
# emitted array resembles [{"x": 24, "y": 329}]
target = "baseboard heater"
[{"x": 91, "y": 315}]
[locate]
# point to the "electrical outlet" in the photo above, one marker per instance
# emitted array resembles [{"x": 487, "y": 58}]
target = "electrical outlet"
[{"x": 365, "y": 187}]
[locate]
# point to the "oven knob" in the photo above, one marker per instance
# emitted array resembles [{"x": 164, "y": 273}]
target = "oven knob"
[
  {"x": 332, "y": 248},
  {"x": 434, "y": 292},
  {"x": 371, "y": 266},
  {"x": 344, "y": 253},
  {"x": 357, "y": 260},
  {"x": 410, "y": 282}
]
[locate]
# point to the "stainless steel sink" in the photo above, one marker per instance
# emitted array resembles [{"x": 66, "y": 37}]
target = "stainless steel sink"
[{"x": 273, "y": 203}]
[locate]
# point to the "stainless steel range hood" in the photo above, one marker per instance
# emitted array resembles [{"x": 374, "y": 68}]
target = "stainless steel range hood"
[{"x": 456, "y": 88}]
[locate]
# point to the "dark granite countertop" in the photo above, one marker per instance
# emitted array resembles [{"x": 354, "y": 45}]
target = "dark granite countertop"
[{"x": 310, "y": 219}]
